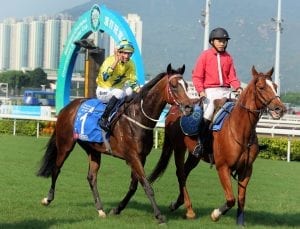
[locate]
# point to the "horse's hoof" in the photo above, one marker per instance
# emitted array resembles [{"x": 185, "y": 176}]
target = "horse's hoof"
[
  {"x": 45, "y": 202},
  {"x": 114, "y": 211},
  {"x": 190, "y": 215},
  {"x": 101, "y": 214},
  {"x": 173, "y": 207},
  {"x": 215, "y": 215},
  {"x": 161, "y": 220}
]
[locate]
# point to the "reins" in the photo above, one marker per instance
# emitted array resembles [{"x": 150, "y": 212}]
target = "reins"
[
  {"x": 169, "y": 95},
  {"x": 170, "y": 99}
]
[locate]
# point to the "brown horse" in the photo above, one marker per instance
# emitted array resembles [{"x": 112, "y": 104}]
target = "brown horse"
[
  {"x": 234, "y": 147},
  {"x": 131, "y": 138}
]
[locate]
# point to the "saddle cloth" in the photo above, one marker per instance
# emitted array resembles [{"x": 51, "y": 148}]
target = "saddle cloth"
[
  {"x": 220, "y": 116},
  {"x": 86, "y": 126},
  {"x": 191, "y": 124}
]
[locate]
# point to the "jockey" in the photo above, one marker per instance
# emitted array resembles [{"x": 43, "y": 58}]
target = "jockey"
[
  {"x": 213, "y": 75},
  {"x": 116, "y": 79}
]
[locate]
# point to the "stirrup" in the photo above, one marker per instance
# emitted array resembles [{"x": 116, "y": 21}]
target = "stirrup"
[{"x": 198, "y": 150}]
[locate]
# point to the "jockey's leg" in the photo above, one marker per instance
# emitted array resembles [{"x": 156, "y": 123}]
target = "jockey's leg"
[
  {"x": 104, "y": 118},
  {"x": 203, "y": 138}
]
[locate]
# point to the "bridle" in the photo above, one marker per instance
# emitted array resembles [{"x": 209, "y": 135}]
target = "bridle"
[
  {"x": 170, "y": 96},
  {"x": 170, "y": 90},
  {"x": 262, "y": 100},
  {"x": 170, "y": 99}
]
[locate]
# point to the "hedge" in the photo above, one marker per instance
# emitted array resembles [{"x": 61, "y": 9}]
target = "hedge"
[
  {"x": 274, "y": 148},
  {"x": 26, "y": 127}
]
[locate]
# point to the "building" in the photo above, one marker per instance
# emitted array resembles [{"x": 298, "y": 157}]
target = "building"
[{"x": 37, "y": 42}]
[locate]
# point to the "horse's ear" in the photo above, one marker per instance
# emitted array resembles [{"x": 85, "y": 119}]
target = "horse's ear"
[
  {"x": 182, "y": 69},
  {"x": 169, "y": 68},
  {"x": 270, "y": 73},
  {"x": 254, "y": 72}
]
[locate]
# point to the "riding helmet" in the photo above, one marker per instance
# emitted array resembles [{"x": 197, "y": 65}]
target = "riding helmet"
[
  {"x": 125, "y": 46},
  {"x": 218, "y": 33}
]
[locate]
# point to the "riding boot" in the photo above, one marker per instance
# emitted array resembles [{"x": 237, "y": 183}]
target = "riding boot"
[
  {"x": 203, "y": 137},
  {"x": 103, "y": 123}
]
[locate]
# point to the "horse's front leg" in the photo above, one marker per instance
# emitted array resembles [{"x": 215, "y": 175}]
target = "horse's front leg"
[
  {"x": 132, "y": 189},
  {"x": 150, "y": 193},
  {"x": 137, "y": 168},
  {"x": 225, "y": 179},
  {"x": 242, "y": 188},
  {"x": 94, "y": 165}
]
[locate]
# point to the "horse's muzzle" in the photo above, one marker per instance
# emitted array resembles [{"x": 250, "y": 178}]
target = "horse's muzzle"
[{"x": 277, "y": 112}]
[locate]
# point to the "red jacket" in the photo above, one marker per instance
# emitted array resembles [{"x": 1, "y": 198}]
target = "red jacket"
[{"x": 205, "y": 73}]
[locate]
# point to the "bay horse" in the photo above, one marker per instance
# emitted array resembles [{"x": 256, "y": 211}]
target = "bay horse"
[
  {"x": 131, "y": 138},
  {"x": 234, "y": 148}
]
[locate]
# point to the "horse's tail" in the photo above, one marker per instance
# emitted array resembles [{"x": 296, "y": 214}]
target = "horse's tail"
[
  {"x": 49, "y": 158},
  {"x": 163, "y": 162}
]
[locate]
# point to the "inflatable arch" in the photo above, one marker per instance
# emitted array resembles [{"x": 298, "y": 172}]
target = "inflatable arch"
[{"x": 96, "y": 19}]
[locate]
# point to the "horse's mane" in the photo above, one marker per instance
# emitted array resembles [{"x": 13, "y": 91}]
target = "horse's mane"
[{"x": 149, "y": 85}]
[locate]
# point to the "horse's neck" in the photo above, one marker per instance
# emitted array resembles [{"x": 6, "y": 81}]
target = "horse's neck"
[
  {"x": 246, "y": 113},
  {"x": 153, "y": 103}
]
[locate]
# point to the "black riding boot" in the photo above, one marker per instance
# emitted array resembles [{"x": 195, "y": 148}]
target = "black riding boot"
[
  {"x": 203, "y": 137},
  {"x": 104, "y": 118}
]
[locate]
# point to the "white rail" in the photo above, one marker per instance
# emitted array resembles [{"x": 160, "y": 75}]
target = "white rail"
[{"x": 288, "y": 126}]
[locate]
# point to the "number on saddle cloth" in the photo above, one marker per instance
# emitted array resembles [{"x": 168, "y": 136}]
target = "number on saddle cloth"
[
  {"x": 191, "y": 124},
  {"x": 86, "y": 126}
]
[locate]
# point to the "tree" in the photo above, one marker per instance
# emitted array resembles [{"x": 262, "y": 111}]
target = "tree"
[
  {"x": 37, "y": 78},
  {"x": 18, "y": 79},
  {"x": 291, "y": 97}
]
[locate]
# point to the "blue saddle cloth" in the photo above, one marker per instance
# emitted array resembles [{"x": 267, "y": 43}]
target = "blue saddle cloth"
[
  {"x": 191, "y": 124},
  {"x": 220, "y": 116},
  {"x": 86, "y": 126}
]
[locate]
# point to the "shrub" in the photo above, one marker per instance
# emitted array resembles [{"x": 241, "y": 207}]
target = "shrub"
[
  {"x": 276, "y": 148},
  {"x": 26, "y": 127}
]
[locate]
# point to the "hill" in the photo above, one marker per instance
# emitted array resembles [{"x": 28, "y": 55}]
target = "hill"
[{"x": 173, "y": 34}]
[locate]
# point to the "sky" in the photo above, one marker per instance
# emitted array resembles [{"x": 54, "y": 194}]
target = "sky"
[{"x": 23, "y": 8}]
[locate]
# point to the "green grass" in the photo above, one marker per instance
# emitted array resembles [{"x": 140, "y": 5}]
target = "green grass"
[{"x": 273, "y": 198}]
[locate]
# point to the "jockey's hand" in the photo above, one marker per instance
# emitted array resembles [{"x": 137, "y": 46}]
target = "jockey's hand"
[{"x": 202, "y": 96}]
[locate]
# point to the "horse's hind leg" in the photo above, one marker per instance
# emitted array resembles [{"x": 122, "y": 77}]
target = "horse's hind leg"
[
  {"x": 94, "y": 165},
  {"x": 182, "y": 172},
  {"x": 57, "y": 151},
  {"x": 50, "y": 197}
]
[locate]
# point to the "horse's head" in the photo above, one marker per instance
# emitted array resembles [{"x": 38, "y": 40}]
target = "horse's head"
[
  {"x": 266, "y": 93},
  {"x": 176, "y": 91}
]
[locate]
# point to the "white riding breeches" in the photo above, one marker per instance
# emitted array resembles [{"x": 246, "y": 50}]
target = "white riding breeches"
[
  {"x": 105, "y": 94},
  {"x": 211, "y": 95}
]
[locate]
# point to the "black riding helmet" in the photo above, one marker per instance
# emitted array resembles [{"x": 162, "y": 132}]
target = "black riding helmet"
[{"x": 218, "y": 33}]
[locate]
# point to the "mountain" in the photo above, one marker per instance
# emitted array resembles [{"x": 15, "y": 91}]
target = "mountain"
[{"x": 173, "y": 34}]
